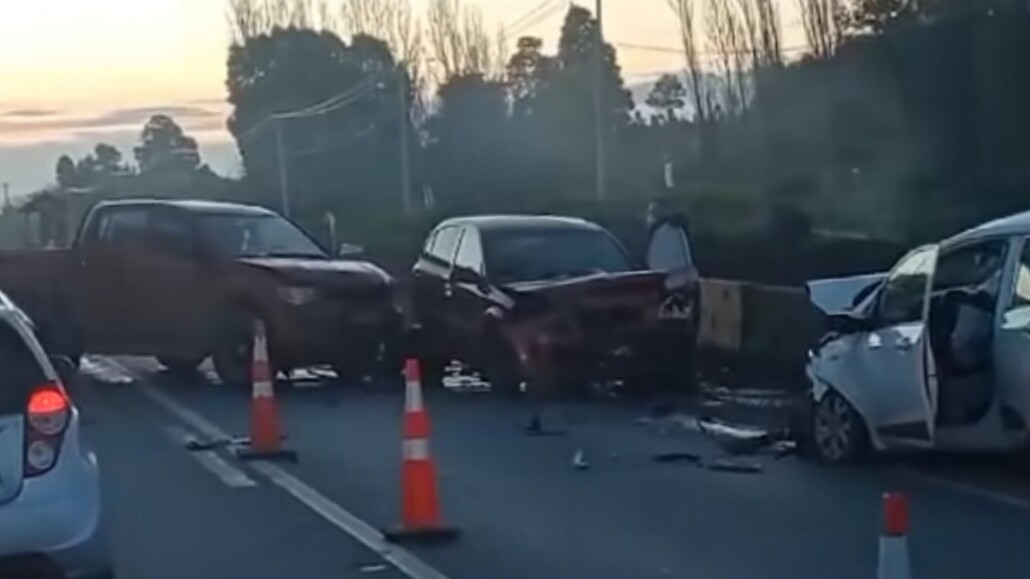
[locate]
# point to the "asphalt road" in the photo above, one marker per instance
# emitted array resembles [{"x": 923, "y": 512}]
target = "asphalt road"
[{"x": 522, "y": 509}]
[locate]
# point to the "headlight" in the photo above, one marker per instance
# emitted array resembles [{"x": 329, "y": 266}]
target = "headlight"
[{"x": 297, "y": 296}]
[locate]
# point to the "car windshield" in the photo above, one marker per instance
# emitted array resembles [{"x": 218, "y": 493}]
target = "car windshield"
[
  {"x": 550, "y": 254},
  {"x": 257, "y": 236}
]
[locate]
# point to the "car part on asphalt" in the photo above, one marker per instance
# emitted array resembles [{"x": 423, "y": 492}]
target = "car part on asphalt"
[{"x": 180, "y": 366}]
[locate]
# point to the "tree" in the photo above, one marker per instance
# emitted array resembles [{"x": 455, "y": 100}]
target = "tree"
[
  {"x": 697, "y": 82},
  {"x": 333, "y": 148},
  {"x": 667, "y": 95},
  {"x": 67, "y": 174},
  {"x": 164, "y": 147},
  {"x": 527, "y": 73},
  {"x": 823, "y": 23},
  {"x": 726, "y": 38},
  {"x": 101, "y": 166},
  {"x": 459, "y": 42}
]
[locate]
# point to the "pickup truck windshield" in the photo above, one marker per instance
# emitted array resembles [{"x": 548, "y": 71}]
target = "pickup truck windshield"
[
  {"x": 550, "y": 254},
  {"x": 257, "y": 236}
]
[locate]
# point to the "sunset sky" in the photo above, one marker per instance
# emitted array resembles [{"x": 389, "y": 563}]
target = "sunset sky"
[{"x": 74, "y": 72}]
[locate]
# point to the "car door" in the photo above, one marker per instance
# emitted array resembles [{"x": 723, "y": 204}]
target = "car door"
[
  {"x": 110, "y": 304},
  {"x": 182, "y": 302},
  {"x": 1012, "y": 342},
  {"x": 895, "y": 361},
  {"x": 469, "y": 296},
  {"x": 430, "y": 280}
]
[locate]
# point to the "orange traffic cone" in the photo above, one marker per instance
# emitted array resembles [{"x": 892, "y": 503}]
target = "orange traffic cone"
[
  {"x": 265, "y": 441},
  {"x": 893, "y": 560},
  {"x": 420, "y": 505}
]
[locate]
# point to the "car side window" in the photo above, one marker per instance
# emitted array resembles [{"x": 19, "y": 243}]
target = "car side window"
[
  {"x": 470, "y": 253},
  {"x": 1017, "y": 314},
  {"x": 903, "y": 296},
  {"x": 170, "y": 234},
  {"x": 124, "y": 227},
  {"x": 971, "y": 266},
  {"x": 445, "y": 244}
]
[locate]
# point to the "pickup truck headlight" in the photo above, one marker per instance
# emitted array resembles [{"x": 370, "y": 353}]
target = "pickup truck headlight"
[{"x": 297, "y": 296}]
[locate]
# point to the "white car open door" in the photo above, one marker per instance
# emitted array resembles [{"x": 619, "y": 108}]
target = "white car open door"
[{"x": 900, "y": 378}]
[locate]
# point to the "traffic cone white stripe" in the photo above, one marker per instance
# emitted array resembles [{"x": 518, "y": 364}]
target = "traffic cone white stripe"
[
  {"x": 417, "y": 449},
  {"x": 413, "y": 397}
]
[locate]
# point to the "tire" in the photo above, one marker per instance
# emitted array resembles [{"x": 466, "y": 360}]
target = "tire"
[
  {"x": 838, "y": 433},
  {"x": 180, "y": 366},
  {"x": 233, "y": 349}
]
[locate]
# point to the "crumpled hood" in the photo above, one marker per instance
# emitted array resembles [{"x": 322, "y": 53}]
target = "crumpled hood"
[
  {"x": 837, "y": 295},
  {"x": 603, "y": 290},
  {"x": 323, "y": 271}
]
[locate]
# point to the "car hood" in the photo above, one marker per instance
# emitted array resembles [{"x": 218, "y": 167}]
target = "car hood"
[
  {"x": 643, "y": 290},
  {"x": 837, "y": 295},
  {"x": 322, "y": 271}
]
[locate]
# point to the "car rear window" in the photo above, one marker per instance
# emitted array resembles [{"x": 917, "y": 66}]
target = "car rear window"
[
  {"x": 539, "y": 254},
  {"x": 19, "y": 371}
]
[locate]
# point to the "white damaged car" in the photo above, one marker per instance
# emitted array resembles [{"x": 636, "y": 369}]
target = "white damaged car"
[{"x": 934, "y": 354}]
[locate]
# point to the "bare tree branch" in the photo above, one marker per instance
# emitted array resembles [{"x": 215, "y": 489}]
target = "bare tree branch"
[
  {"x": 697, "y": 84},
  {"x": 821, "y": 21}
]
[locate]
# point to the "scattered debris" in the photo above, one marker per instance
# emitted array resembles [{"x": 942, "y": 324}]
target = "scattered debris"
[
  {"x": 579, "y": 460},
  {"x": 733, "y": 465},
  {"x": 678, "y": 456},
  {"x": 375, "y": 568}
]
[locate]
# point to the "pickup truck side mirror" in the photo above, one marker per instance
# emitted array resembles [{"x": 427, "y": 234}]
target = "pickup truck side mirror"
[
  {"x": 466, "y": 275},
  {"x": 350, "y": 251}
]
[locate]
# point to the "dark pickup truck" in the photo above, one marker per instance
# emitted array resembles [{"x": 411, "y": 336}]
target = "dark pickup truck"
[{"x": 184, "y": 280}]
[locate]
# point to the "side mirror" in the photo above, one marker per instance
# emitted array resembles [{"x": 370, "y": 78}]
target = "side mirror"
[
  {"x": 65, "y": 368},
  {"x": 465, "y": 275},
  {"x": 351, "y": 251}
]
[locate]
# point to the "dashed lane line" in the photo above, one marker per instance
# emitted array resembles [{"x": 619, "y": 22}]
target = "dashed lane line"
[
  {"x": 209, "y": 459},
  {"x": 366, "y": 534}
]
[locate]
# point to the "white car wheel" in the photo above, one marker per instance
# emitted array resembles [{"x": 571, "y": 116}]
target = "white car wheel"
[{"x": 837, "y": 430}]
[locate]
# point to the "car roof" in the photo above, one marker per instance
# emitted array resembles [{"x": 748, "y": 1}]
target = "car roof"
[
  {"x": 191, "y": 205},
  {"x": 520, "y": 222},
  {"x": 1017, "y": 224}
]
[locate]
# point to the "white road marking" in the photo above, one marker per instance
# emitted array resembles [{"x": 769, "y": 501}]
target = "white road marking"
[
  {"x": 209, "y": 459},
  {"x": 983, "y": 493},
  {"x": 401, "y": 558}
]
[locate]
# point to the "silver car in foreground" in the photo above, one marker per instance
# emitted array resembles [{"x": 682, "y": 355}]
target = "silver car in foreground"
[
  {"x": 933, "y": 355},
  {"x": 50, "y": 515}
]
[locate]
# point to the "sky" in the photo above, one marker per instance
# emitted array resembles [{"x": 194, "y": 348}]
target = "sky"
[{"x": 75, "y": 72}]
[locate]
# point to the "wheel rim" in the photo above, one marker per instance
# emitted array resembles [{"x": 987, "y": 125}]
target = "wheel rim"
[{"x": 834, "y": 428}]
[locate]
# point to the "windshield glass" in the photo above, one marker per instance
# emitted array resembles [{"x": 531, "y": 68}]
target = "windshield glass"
[
  {"x": 257, "y": 236},
  {"x": 549, "y": 254}
]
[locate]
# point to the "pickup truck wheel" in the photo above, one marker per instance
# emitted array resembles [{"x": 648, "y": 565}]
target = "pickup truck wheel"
[
  {"x": 233, "y": 350},
  {"x": 183, "y": 367}
]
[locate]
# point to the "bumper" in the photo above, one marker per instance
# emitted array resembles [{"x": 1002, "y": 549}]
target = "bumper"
[
  {"x": 58, "y": 519},
  {"x": 337, "y": 333},
  {"x": 662, "y": 351}
]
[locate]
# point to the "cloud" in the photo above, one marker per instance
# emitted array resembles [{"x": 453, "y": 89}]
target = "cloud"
[
  {"x": 28, "y": 113},
  {"x": 27, "y": 126}
]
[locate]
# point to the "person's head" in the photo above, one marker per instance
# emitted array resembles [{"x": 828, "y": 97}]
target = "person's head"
[{"x": 658, "y": 209}]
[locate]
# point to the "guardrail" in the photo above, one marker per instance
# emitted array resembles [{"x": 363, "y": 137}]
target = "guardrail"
[{"x": 756, "y": 335}]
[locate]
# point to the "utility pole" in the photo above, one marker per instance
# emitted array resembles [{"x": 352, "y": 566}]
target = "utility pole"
[
  {"x": 402, "y": 124},
  {"x": 284, "y": 183},
  {"x": 599, "y": 137}
]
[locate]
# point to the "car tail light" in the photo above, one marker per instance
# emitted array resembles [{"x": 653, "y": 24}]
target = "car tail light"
[{"x": 48, "y": 413}]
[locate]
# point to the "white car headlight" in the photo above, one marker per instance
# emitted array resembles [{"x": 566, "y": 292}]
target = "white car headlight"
[{"x": 297, "y": 296}]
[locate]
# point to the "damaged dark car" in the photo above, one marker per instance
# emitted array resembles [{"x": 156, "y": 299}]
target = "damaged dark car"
[{"x": 542, "y": 303}]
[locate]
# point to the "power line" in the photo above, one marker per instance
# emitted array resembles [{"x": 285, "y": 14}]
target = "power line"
[
  {"x": 521, "y": 22},
  {"x": 557, "y": 8},
  {"x": 701, "y": 53}
]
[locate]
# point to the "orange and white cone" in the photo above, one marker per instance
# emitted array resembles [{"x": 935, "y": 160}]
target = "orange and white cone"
[
  {"x": 420, "y": 504},
  {"x": 893, "y": 560},
  {"x": 265, "y": 441}
]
